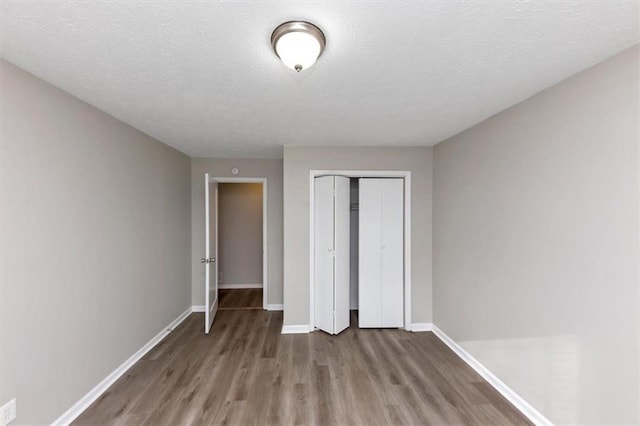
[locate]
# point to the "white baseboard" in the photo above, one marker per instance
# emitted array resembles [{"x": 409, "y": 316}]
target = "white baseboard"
[
  {"x": 275, "y": 307},
  {"x": 72, "y": 413},
  {"x": 295, "y": 329},
  {"x": 421, "y": 326},
  {"x": 232, "y": 286},
  {"x": 270, "y": 307},
  {"x": 525, "y": 408}
]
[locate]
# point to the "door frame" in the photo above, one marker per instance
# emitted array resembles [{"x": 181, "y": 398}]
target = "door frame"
[
  {"x": 406, "y": 176},
  {"x": 264, "y": 183}
]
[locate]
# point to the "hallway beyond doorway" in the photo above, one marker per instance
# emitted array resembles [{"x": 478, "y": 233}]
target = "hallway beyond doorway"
[{"x": 245, "y": 298}]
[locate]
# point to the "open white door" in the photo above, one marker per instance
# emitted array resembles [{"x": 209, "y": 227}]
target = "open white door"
[
  {"x": 323, "y": 253},
  {"x": 211, "y": 251},
  {"x": 331, "y": 253},
  {"x": 342, "y": 247}
]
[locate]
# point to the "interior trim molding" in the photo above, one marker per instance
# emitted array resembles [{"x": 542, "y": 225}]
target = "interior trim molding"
[
  {"x": 421, "y": 326},
  {"x": 275, "y": 307},
  {"x": 523, "y": 406},
  {"x": 197, "y": 308},
  {"x": 83, "y": 403},
  {"x": 265, "y": 228},
  {"x": 232, "y": 286},
  {"x": 295, "y": 329}
]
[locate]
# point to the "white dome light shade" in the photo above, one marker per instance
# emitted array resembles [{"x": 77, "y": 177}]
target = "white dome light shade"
[
  {"x": 298, "y": 49},
  {"x": 298, "y": 44}
]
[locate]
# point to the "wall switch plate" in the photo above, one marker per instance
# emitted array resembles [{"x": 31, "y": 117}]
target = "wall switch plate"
[{"x": 8, "y": 412}]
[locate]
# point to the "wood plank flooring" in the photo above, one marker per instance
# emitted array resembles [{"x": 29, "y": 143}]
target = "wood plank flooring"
[
  {"x": 245, "y": 373},
  {"x": 242, "y": 298}
]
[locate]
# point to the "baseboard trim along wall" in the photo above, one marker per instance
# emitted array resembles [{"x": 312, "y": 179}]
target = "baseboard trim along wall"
[
  {"x": 275, "y": 307},
  {"x": 525, "y": 408},
  {"x": 270, "y": 307},
  {"x": 232, "y": 286},
  {"x": 72, "y": 413},
  {"x": 296, "y": 329},
  {"x": 421, "y": 326}
]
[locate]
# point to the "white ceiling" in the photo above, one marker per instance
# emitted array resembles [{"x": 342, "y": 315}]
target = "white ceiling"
[{"x": 201, "y": 75}]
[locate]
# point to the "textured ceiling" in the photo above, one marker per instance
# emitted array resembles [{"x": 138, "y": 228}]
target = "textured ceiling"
[{"x": 201, "y": 75}]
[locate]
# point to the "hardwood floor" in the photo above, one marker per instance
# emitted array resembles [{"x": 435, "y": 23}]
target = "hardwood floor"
[
  {"x": 244, "y": 298},
  {"x": 245, "y": 372}
]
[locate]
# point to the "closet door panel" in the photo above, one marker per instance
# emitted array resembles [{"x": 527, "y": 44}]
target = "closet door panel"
[
  {"x": 342, "y": 246},
  {"x": 369, "y": 258},
  {"x": 392, "y": 251},
  {"x": 323, "y": 253}
]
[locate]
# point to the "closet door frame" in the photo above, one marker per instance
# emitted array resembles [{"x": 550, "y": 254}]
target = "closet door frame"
[{"x": 406, "y": 176}]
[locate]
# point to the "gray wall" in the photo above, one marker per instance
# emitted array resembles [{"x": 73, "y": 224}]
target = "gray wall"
[
  {"x": 221, "y": 167},
  {"x": 94, "y": 248},
  {"x": 298, "y": 161},
  {"x": 536, "y": 245},
  {"x": 240, "y": 233}
]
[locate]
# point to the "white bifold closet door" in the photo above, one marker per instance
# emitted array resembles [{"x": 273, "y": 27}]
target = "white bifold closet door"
[
  {"x": 331, "y": 253},
  {"x": 381, "y": 253}
]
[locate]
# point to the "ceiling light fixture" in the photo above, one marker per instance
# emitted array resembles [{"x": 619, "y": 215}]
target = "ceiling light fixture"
[{"x": 298, "y": 44}]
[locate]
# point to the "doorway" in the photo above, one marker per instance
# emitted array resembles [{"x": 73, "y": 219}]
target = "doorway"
[
  {"x": 240, "y": 236},
  {"x": 340, "y": 201},
  {"x": 235, "y": 245}
]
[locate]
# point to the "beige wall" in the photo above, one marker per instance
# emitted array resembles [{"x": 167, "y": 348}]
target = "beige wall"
[
  {"x": 240, "y": 233},
  {"x": 298, "y": 161},
  {"x": 94, "y": 248},
  {"x": 536, "y": 245},
  {"x": 221, "y": 167}
]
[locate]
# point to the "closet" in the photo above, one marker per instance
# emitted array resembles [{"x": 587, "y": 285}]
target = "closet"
[{"x": 358, "y": 252}]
